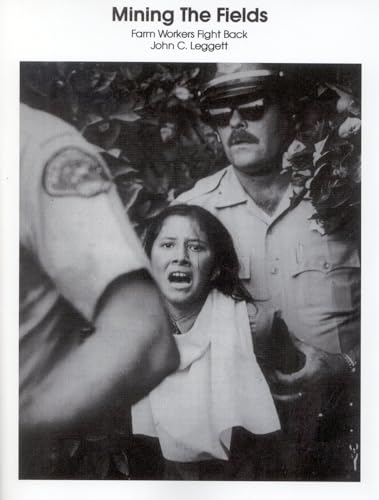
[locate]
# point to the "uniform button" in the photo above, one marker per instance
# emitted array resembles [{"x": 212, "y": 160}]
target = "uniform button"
[
  {"x": 274, "y": 270},
  {"x": 326, "y": 265}
]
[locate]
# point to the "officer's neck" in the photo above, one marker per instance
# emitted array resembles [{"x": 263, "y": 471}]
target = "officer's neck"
[{"x": 266, "y": 189}]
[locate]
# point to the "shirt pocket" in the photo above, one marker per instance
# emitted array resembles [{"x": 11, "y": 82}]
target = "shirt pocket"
[
  {"x": 252, "y": 275},
  {"x": 326, "y": 278},
  {"x": 244, "y": 272}
]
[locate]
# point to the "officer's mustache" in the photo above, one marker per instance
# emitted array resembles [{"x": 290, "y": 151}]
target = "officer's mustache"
[{"x": 241, "y": 135}]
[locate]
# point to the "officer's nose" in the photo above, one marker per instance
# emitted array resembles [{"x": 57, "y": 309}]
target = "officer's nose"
[{"x": 236, "y": 120}]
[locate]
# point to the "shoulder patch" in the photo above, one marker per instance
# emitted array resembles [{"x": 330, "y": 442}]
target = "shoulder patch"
[{"x": 74, "y": 172}]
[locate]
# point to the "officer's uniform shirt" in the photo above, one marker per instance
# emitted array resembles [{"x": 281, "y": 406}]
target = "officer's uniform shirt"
[
  {"x": 313, "y": 279},
  {"x": 75, "y": 240}
]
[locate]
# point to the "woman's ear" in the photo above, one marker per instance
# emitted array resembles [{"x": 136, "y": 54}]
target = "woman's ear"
[{"x": 215, "y": 274}]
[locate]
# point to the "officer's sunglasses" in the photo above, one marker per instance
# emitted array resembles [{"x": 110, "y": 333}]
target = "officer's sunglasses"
[{"x": 252, "y": 110}]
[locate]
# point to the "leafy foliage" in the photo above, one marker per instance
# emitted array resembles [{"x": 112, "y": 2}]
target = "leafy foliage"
[
  {"x": 325, "y": 158},
  {"x": 143, "y": 117}
]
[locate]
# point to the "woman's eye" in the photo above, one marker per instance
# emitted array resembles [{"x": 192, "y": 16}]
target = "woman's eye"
[
  {"x": 195, "y": 247},
  {"x": 167, "y": 244}
]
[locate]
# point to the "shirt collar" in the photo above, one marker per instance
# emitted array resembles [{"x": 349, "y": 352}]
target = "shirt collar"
[
  {"x": 284, "y": 203},
  {"x": 230, "y": 191}
]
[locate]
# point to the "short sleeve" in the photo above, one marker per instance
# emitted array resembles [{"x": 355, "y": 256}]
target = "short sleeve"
[
  {"x": 86, "y": 243},
  {"x": 82, "y": 238}
]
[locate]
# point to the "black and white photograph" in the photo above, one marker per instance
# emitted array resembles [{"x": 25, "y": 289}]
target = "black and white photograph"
[
  {"x": 188, "y": 258},
  {"x": 190, "y": 249}
]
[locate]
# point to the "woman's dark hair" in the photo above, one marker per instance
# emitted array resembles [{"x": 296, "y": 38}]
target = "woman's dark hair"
[{"x": 226, "y": 264}]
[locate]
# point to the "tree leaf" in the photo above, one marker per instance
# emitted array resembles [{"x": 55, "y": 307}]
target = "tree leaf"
[
  {"x": 129, "y": 192},
  {"x": 194, "y": 72},
  {"x": 133, "y": 71},
  {"x": 105, "y": 81},
  {"x": 127, "y": 116},
  {"x": 157, "y": 96},
  {"x": 91, "y": 119}
]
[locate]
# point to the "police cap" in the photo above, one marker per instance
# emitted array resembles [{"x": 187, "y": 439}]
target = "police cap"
[{"x": 234, "y": 80}]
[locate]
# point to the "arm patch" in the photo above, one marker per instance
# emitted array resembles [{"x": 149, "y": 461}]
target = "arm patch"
[{"x": 74, "y": 172}]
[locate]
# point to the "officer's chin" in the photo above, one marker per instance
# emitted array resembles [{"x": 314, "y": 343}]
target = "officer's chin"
[
  {"x": 243, "y": 157},
  {"x": 250, "y": 166}
]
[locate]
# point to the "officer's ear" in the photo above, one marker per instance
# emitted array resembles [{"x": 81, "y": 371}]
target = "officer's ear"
[{"x": 289, "y": 111}]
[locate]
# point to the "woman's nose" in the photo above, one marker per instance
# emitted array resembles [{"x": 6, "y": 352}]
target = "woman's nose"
[
  {"x": 181, "y": 253},
  {"x": 236, "y": 120}
]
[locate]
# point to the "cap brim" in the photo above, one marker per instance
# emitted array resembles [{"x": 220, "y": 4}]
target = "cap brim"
[{"x": 240, "y": 84}]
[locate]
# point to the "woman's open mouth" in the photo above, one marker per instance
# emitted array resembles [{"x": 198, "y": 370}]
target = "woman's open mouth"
[{"x": 180, "y": 279}]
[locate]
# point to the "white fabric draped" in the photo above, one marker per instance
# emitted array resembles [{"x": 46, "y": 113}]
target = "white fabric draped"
[{"x": 218, "y": 386}]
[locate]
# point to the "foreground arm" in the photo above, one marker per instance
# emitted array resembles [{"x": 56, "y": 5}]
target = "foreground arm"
[
  {"x": 81, "y": 250},
  {"x": 129, "y": 354}
]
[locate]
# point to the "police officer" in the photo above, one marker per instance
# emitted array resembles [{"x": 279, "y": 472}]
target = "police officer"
[
  {"x": 312, "y": 279},
  {"x": 80, "y": 265}
]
